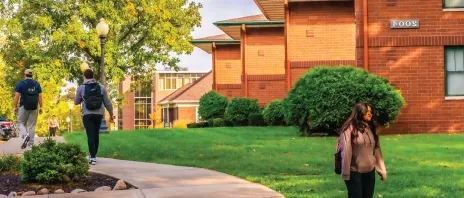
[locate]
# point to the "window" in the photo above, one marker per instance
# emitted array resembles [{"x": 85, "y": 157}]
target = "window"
[
  {"x": 143, "y": 109},
  {"x": 454, "y": 71},
  {"x": 453, "y": 3},
  {"x": 176, "y": 81}
]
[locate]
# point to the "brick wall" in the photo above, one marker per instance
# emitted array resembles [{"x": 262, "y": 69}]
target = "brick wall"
[
  {"x": 228, "y": 64},
  {"x": 267, "y": 90},
  {"x": 321, "y": 31},
  {"x": 128, "y": 111},
  {"x": 265, "y": 49},
  {"x": 230, "y": 90},
  {"x": 419, "y": 73},
  {"x": 187, "y": 113},
  {"x": 413, "y": 60}
]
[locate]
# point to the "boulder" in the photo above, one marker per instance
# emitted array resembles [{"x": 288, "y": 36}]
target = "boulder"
[
  {"x": 29, "y": 193},
  {"x": 120, "y": 185},
  {"x": 103, "y": 188},
  {"x": 12, "y": 194},
  {"x": 43, "y": 191},
  {"x": 78, "y": 191},
  {"x": 59, "y": 191}
]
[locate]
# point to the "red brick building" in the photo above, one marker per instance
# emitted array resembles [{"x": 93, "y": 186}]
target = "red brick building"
[
  {"x": 416, "y": 44},
  {"x": 166, "y": 87}
]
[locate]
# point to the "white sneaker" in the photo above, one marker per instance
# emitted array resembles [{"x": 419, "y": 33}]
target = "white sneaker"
[
  {"x": 93, "y": 161},
  {"x": 28, "y": 148}
]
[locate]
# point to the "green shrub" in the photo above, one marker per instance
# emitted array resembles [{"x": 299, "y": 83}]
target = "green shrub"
[
  {"x": 192, "y": 125},
  {"x": 212, "y": 105},
  {"x": 228, "y": 123},
  {"x": 9, "y": 163},
  {"x": 256, "y": 119},
  {"x": 216, "y": 122},
  {"x": 273, "y": 113},
  {"x": 50, "y": 162},
  {"x": 239, "y": 109},
  {"x": 324, "y": 96},
  {"x": 198, "y": 125}
]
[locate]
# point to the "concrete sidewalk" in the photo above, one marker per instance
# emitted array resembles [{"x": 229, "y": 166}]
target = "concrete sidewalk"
[
  {"x": 165, "y": 181},
  {"x": 13, "y": 146}
]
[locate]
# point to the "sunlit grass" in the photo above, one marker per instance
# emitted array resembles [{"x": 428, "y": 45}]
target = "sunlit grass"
[{"x": 418, "y": 165}]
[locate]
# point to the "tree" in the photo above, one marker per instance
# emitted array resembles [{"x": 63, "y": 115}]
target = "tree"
[
  {"x": 56, "y": 36},
  {"x": 6, "y": 93},
  {"x": 323, "y": 97}
]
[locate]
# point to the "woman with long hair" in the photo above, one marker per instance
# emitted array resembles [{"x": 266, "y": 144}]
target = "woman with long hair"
[{"x": 361, "y": 153}]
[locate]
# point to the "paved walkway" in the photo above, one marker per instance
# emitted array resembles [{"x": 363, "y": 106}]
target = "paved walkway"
[
  {"x": 13, "y": 146},
  {"x": 167, "y": 181}
]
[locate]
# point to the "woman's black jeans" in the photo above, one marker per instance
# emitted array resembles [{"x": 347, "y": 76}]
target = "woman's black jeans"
[{"x": 361, "y": 185}]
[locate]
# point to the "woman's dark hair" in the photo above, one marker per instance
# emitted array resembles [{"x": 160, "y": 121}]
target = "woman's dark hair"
[{"x": 356, "y": 120}]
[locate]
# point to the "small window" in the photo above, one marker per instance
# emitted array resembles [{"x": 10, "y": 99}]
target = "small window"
[
  {"x": 454, "y": 71},
  {"x": 453, "y": 3}
]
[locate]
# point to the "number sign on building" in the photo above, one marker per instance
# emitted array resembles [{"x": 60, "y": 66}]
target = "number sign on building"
[{"x": 404, "y": 24}]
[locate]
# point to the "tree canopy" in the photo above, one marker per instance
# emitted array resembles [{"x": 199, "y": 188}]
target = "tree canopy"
[{"x": 54, "y": 36}]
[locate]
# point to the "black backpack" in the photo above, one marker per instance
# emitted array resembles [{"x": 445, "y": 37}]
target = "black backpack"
[
  {"x": 30, "y": 95},
  {"x": 93, "y": 98}
]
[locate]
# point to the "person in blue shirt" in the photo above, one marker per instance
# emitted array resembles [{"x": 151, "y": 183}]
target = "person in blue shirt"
[{"x": 29, "y": 94}]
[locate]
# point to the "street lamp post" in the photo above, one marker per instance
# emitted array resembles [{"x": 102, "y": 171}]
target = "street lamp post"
[
  {"x": 71, "y": 105},
  {"x": 102, "y": 31},
  {"x": 68, "y": 120}
]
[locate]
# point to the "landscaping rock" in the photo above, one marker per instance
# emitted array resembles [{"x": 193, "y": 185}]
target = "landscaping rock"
[
  {"x": 120, "y": 185},
  {"x": 78, "y": 191},
  {"x": 12, "y": 194},
  {"x": 75, "y": 178},
  {"x": 66, "y": 178},
  {"x": 2, "y": 195},
  {"x": 29, "y": 193},
  {"x": 43, "y": 191},
  {"x": 59, "y": 191},
  {"x": 103, "y": 188}
]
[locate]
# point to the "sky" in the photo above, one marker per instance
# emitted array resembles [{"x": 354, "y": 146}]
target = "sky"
[{"x": 212, "y": 11}]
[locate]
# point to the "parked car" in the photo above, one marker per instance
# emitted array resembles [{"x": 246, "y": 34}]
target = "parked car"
[{"x": 8, "y": 129}]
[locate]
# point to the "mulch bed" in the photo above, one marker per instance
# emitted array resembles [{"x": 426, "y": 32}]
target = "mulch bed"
[{"x": 11, "y": 182}]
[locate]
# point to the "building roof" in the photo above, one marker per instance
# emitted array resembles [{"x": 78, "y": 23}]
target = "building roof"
[
  {"x": 192, "y": 91},
  {"x": 252, "y": 18},
  {"x": 249, "y": 20},
  {"x": 232, "y": 27},
  {"x": 274, "y": 9},
  {"x": 206, "y": 42}
]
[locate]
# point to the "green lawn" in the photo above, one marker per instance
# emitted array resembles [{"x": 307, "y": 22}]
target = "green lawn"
[{"x": 418, "y": 165}]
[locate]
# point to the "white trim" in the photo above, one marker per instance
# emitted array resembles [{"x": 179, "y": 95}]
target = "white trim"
[
  {"x": 454, "y": 98},
  {"x": 181, "y": 72},
  {"x": 187, "y": 105},
  {"x": 178, "y": 101},
  {"x": 453, "y": 9},
  {"x": 197, "y": 119}
]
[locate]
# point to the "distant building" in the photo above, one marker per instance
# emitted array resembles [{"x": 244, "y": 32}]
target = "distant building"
[{"x": 137, "y": 107}]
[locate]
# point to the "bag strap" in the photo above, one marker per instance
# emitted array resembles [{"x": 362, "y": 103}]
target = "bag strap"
[{"x": 344, "y": 137}]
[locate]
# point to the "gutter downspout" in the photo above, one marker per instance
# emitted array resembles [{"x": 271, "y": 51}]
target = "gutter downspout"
[
  {"x": 244, "y": 75},
  {"x": 214, "y": 67},
  {"x": 287, "y": 62},
  {"x": 366, "y": 36}
]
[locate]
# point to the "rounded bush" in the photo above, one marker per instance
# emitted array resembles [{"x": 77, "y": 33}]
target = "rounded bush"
[
  {"x": 239, "y": 109},
  {"x": 216, "y": 122},
  {"x": 212, "y": 105},
  {"x": 324, "y": 96},
  {"x": 51, "y": 162},
  {"x": 273, "y": 113},
  {"x": 256, "y": 119}
]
